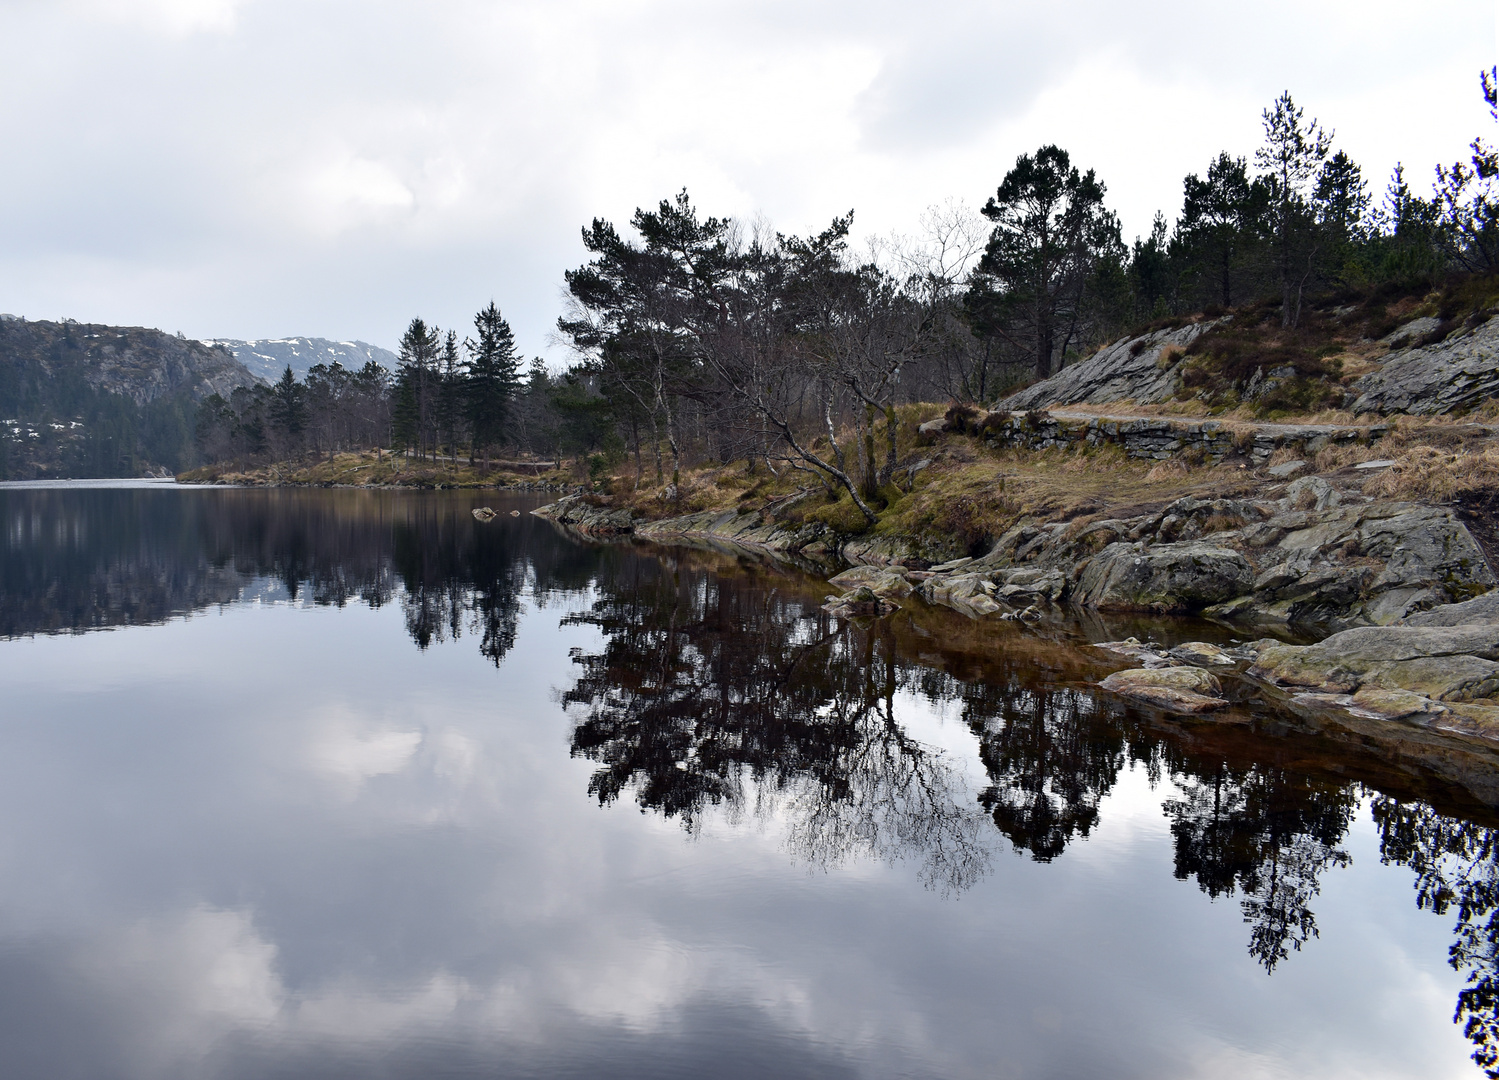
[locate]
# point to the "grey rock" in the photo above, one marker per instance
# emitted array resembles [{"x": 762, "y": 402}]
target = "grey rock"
[
  {"x": 1403, "y": 335},
  {"x": 1129, "y": 369},
  {"x": 1285, "y": 469},
  {"x": 1432, "y": 379},
  {"x": 1381, "y": 463},
  {"x": 1201, "y": 653},
  {"x": 1480, "y": 609},
  {"x": 1310, "y": 493},
  {"x": 1165, "y": 578}
]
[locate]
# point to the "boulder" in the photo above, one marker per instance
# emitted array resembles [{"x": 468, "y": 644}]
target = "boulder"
[
  {"x": 1181, "y": 577},
  {"x": 1179, "y": 689},
  {"x": 861, "y": 601},
  {"x": 881, "y": 580},
  {"x": 1201, "y": 654}
]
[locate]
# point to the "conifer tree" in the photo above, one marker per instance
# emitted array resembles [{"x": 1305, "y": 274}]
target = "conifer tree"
[
  {"x": 1051, "y": 233},
  {"x": 1220, "y": 222},
  {"x": 493, "y": 380},
  {"x": 451, "y": 393},
  {"x": 1292, "y": 155},
  {"x": 416, "y": 386},
  {"x": 288, "y": 407}
]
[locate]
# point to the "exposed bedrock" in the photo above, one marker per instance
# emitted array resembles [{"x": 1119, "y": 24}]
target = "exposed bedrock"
[
  {"x": 1310, "y": 557},
  {"x": 1145, "y": 370},
  {"x": 1440, "y": 670},
  {"x": 1429, "y": 380}
]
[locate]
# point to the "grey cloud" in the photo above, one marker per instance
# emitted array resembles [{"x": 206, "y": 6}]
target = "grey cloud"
[{"x": 334, "y": 168}]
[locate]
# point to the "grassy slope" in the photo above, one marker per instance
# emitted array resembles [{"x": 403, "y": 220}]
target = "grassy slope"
[{"x": 367, "y": 469}]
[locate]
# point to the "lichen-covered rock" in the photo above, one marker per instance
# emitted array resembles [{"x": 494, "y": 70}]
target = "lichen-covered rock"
[
  {"x": 1145, "y": 369},
  {"x": 1429, "y": 380},
  {"x": 882, "y": 580},
  {"x": 1180, "y": 689},
  {"x": 1480, "y": 609},
  {"x": 1164, "y": 578},
  {"x": 577, "y": 513},
  {"x": 1201, "y": 653},
  {"x": 1454, "y": 663}
]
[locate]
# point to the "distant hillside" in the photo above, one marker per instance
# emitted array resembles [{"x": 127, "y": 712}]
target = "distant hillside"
[
  {"x": 269, "y": 357},
  {"x": 83, "y": 400}
]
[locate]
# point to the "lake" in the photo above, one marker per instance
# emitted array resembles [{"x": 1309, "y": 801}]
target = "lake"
[{"x": 349, "y": 784}]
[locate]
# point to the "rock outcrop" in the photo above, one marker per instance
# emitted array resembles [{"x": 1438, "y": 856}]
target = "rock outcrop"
[
  {"x": 1305, "y": 555},
  {"x": 1441, "y": 673},
  {"x": 1429, "y": 380},
  {"x": 1150, "y": 438},
  {"x": 1144, "y": 369}
]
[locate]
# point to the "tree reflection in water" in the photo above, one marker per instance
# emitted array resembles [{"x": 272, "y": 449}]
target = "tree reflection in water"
[
  {"x": 1456, "y": 875},
  {"x": 706, "y": 695},
  {"x": 1050, "y": 758},
  {"x": 735, "y": 691},
  {"x": 1271, "y": 834}
]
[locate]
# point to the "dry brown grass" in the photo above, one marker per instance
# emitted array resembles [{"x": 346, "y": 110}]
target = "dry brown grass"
[
  {"x": 1171, "y": 469},
  {"x": 1430, "y": 474}
]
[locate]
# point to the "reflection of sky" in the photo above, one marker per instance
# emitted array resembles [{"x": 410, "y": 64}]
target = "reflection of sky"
[{"x": 282, "y": 841}]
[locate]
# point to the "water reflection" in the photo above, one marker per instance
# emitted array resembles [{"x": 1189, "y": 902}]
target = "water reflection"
[
  {"x": 1269, "y": 833},
  {"x": 715, "y": 685},
  {"x": 711, "y": 693}
]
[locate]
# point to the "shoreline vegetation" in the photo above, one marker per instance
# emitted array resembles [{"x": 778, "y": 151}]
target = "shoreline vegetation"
[{"x": 385, "y": 469}]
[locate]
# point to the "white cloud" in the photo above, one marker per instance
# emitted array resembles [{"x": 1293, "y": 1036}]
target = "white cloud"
[{"x": 178, "y": 18}]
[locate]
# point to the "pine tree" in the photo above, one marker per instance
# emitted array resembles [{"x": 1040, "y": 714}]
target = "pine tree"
[
  {"x": 416, "y": 386},
  {"x": 288, "y": 406},
  {"x": 451, "y": 395},
  {"x": 493, "y": 379},
  {"x": 1220, "y": 222},
  {"x": 1292, "y": 155}
]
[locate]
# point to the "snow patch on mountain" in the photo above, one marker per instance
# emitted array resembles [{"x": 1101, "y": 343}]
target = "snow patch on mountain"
[{"x": 267, "y": 358}]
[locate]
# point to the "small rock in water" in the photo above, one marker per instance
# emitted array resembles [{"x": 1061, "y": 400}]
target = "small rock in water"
[
  {"x": 1200, "y": 652},
  {"x": 483, "y": 513},
  {"x": 1285, "y": 469},
  {"x": 515, "y": 513},
  {"x": 1382, "y": 463},
  {"x": 1179, "y": 689}
]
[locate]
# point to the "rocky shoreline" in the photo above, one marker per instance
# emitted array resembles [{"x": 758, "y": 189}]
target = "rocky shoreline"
[{"x": 1400, "y": 590}]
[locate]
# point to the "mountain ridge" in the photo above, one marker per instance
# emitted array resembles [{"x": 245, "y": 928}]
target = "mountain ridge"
[{"x": 267, "y": 358}]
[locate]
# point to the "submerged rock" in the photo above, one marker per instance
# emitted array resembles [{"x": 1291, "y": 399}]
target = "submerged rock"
[{"x": 862, "y": 601}]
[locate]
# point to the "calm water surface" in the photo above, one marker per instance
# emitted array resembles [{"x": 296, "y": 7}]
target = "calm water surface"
[{"x": 347, "y": 784}]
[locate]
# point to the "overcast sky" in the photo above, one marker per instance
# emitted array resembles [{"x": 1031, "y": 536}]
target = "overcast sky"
[{"x": 265, "y": 168}]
